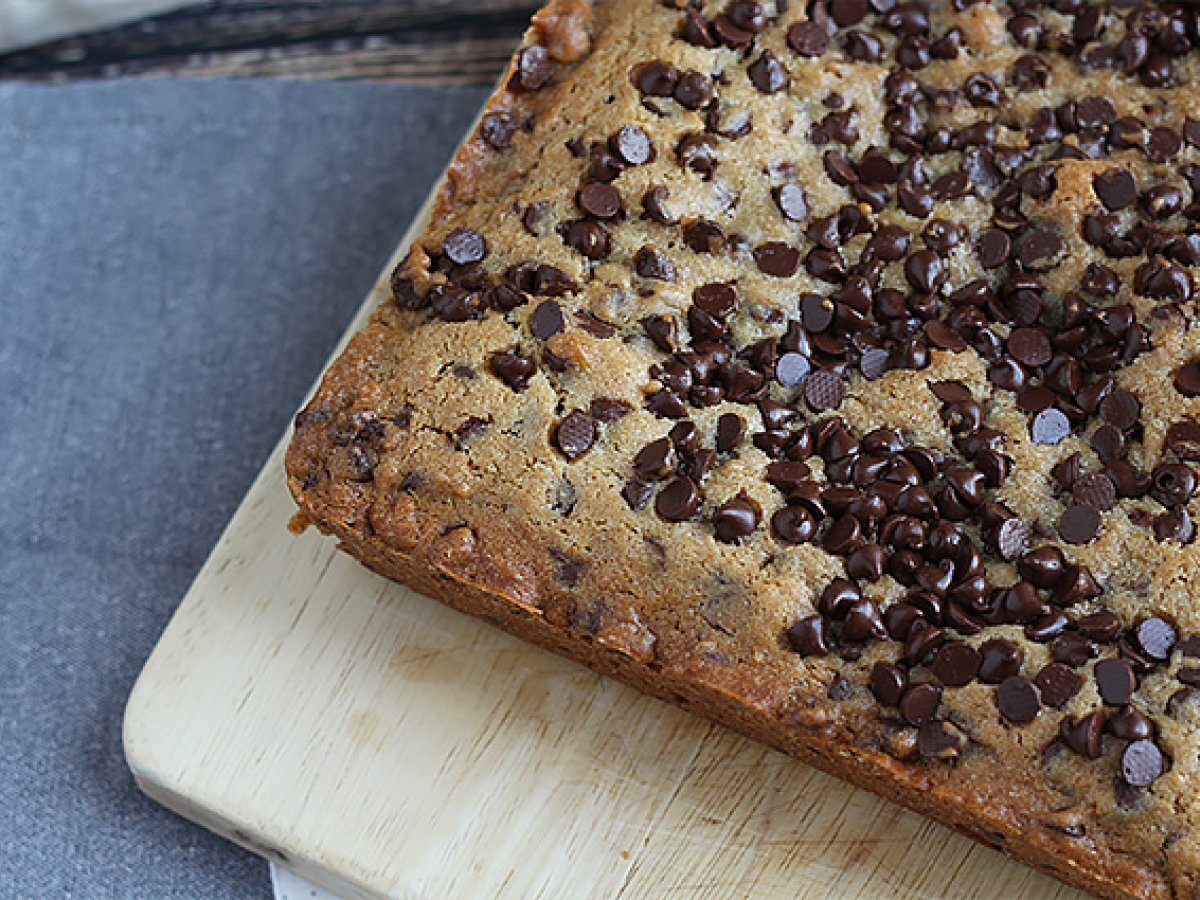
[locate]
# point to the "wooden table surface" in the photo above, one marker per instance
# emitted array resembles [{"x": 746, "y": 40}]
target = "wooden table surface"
[{"x": 449, "y": 41}]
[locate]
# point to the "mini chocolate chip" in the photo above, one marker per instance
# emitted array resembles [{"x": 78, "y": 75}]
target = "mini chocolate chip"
[
  {"x": 1142, "y": 764},
  {"x": 1115, "y": 681},
  {"x": 1058, "y": 684},
  {"x": 1019, "y": 699}
]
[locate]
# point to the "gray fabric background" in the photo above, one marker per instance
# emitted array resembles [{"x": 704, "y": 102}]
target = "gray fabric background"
[{"x": 176, "y": 261}]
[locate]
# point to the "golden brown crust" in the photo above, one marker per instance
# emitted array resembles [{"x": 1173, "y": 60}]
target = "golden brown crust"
[{"x": 434, "y": 472}]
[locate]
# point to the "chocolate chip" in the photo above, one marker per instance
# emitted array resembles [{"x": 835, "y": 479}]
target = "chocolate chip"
[
  {"x": 1142, "y": 764},
  {"x": 1101, "y": 626},
  {"x": 1085, "y": 736},
  {"x": 1130, "y": 725},
  {"x": 531, "y": 70},
  {"x": 956, "y": 664},
  {"x": 1115, "y": 188},
  {"x": 1039, "y": 250},
  {"x": 919, "y": 703},
  {"x": 693, "y": 90},
  {"x": 1187, "y": 379},
  {"x": 1018, "y": 699},
  {"x": 1096, "y": 490},
  {"x": 1175, "y": 526},
  {"x": 636, "y": 494},
  {"x": 840, "y": 689},
  {"x": 1183, "y": 439},
  {"x": 547, "y": 320},
  {"x": 792, "y": 202},
  {"x": 575, "y": 435},
  {"x": 888, "y": 683},
  {"x": 599, "y": 200},
  {"x": 994, "y": 248},
  {"x": 497, "y": 129},
  {"x": 938, "y": 740},
  {"x": 791, "y": 369},
  {"x": 810, "y": 38},
  {"x": 650, "y": 262},
  {"x": 679, "y": 500},
  {"x": 513, "y": 369},
  {"x": 768, "y": 74},
  {"x": 793, "y": 525},
  {"x": 925, "y": 271},
  {"x": 1072, "y": 649},
  {"x": 731, "y": 428},
  {"x": 1079, "y": 524},
  {"x": 736, "y": 519},
  {"x": 999, "y": 659},
  {"x": 464, "y": 246},
  {"x": 824, "y": 390},
  {"x": 1050, "y": 427},
  {"x": 1030, "y": 346},
  {"x": 1058, "y": 684},
  {"x": 632, "y": 145},
  {"x": 1012, "y": 538},
  {"x": 777, "y": 259},
  {"x": 589, "y": 239},
  {"x": 1115, "y": 681},
  {"x": 811, "y": 636},
  {"x": 1156, "y": 637}
]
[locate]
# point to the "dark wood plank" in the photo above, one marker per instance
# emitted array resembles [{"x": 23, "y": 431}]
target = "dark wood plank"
[{"x": 427, "y": 40}]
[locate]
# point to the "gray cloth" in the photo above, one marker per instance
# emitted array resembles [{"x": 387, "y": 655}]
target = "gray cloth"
[{"x": 176, "y": 261}]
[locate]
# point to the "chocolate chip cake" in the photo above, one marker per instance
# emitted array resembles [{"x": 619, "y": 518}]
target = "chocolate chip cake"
[{"x": 830, "y": 368}]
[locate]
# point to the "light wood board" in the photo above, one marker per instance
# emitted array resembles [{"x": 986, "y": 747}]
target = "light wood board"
[{"x": 380, "y": 744}]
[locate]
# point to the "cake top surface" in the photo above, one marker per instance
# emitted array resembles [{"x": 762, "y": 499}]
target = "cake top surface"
[{"x": 844, "y": 353}]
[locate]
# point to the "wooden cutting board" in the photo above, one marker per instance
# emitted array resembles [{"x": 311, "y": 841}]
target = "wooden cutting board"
[{"x": 380, "y": 744}]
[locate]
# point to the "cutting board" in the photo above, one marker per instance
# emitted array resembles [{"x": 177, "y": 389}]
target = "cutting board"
[{"x": 380, "y": 744}]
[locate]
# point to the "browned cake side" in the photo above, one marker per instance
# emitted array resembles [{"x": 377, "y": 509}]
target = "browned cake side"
[{"x": 830, "y": 369}]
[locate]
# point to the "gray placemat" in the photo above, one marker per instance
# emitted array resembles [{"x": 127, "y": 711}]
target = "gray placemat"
[{"x": 176, "y": 261}]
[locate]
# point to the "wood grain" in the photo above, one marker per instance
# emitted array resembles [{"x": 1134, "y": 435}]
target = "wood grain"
[
  {"x": 381, "y": 744},
  {"x": 443, "y": 40}
]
